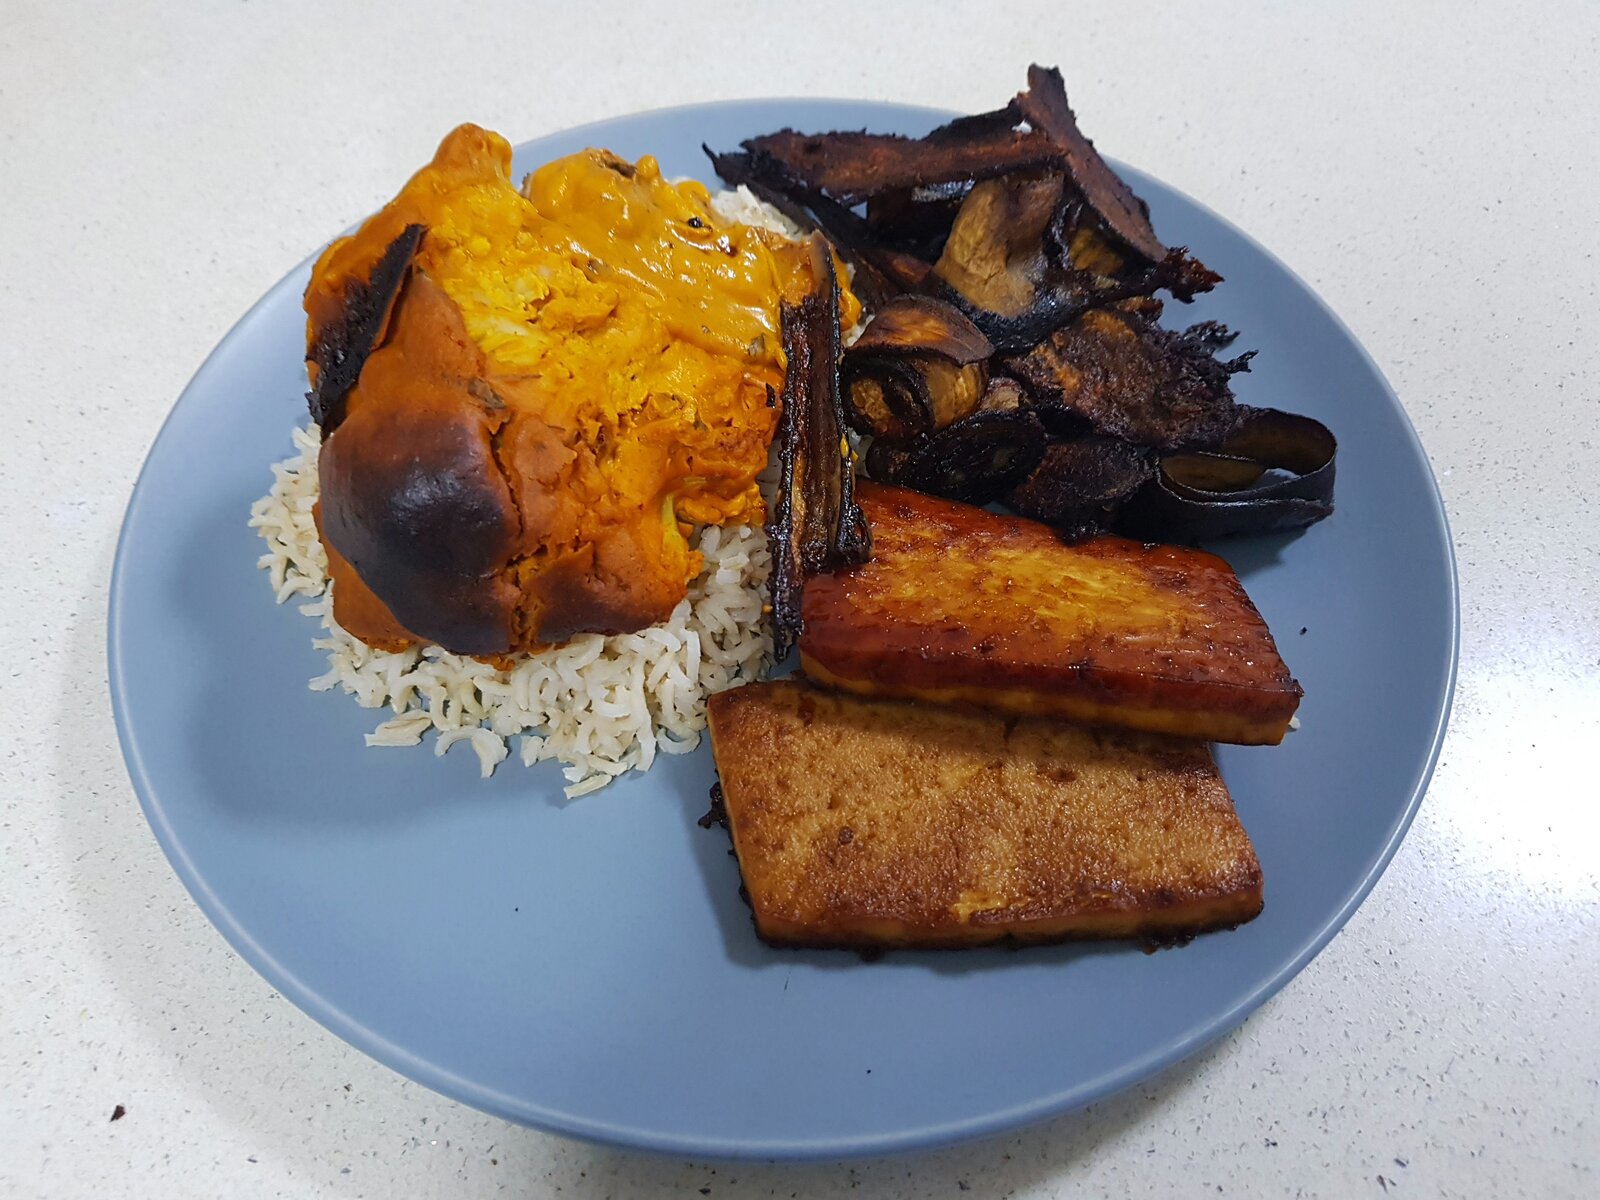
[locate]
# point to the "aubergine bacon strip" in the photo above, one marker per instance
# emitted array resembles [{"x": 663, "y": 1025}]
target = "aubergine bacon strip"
[
  {"x": 852, "y": 166},
  {"x": 1021, "y": 271},
  {"x": 1130, "y": 378},
  {"x": 1094, "y": 247},
  {"x": 1274, "y": 472},
  {"x": 918, "y": 366},
  {"x": 342, "y": 342},
  {"x": 817, "y": 525}
]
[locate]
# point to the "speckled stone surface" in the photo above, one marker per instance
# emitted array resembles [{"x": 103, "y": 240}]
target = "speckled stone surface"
[{"x": 1431, "y": 170}]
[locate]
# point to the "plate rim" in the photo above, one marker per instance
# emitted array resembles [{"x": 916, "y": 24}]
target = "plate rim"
[{"x": 438, "y": 1078}]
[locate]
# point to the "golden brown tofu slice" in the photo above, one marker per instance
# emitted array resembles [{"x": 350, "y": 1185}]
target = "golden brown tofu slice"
[
  {"x": 875, "y": 823},
  {"x": 961, "y": 605}
]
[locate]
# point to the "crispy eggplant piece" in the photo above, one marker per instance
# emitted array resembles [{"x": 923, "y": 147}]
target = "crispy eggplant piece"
[
  {"x": 1079, "y": 486},
  {"x": 918, "y": 366},
  {"x": 994, "y": 258},
  {"x": 975, "y": 460},
  {"x": 854, "y": 166},
  {"x": 881, "y": 272},
  {"x": 875, "y": 824},
  {"x": 1132, "y": 379},
  {"x": 1124, "y": 215},
  {"x": 341, "y": 343},
  {"x": 817, "y": 525},
  {"x": 1003, "y": 395},
  {"x": 1275, "y": 471},
  {"x": 1076, "y": 243},
  {"x": 999, "y": 265},
  {"x": 916, "y": 221}
]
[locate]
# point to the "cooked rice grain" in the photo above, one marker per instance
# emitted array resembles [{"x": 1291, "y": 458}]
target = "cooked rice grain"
[{"x": 602, "y": 706}]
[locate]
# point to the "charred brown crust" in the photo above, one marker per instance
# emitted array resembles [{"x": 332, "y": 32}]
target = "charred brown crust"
[
  {"x": 1135, "y": 380},
  {"x": 978, "y": 124},
  {"x": 1045, "y": 107},
  {"x": 816, "y": 524},
  {"x": 339, "y": 349}
]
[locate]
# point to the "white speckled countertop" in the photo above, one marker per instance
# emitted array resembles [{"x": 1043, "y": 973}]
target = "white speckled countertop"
[{"x": 1431, "y": 170}]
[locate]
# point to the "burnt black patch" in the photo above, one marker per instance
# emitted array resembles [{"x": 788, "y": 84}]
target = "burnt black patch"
[{"x": 341, "y": 349}]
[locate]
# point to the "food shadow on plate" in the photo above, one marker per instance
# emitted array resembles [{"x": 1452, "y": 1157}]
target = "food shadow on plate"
[
  {"x": 1253, "y": 555},
  {"x": 300, "y": 758},
  {"x": 719, "y": 870}
]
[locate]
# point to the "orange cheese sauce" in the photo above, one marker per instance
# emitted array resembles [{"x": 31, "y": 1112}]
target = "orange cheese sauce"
[{"x": 619, "y": 310}]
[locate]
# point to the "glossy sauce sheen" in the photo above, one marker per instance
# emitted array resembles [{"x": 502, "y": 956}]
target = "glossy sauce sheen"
[
  {"x": 865, "y": 823},
  {"x": 962, "y": 605},
  {"x": 599, "y": 346}
]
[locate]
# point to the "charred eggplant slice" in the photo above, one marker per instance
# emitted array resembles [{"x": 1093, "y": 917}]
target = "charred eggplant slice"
[
  {"x": 851, "y": 166},
  {"x": 1003, "y": 395},
  {"x": 1016, "y": 352},
  {"x": 1275, "y": 471},
  {"x": 916, "y": 221},
  {"x": 816, "y": 524},
  {"x": 976, "y": 460},
  {"x": 1132, "y": 379},
  {"x": 1127, "y": 217},
  {"x": 994, "y": 258},
  {"x": 342, "y": 343},
  {"x": 1020, "y": 273},
  {"x": 881, "y": 271},
  {"x": 1079, "y": 485},
  {"x": 918, "y": 366}
]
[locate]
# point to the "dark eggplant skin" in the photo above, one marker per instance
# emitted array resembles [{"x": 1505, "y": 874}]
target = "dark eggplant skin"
[
  {"x": 1293, "y": 459},
  {"x": 852, "y": 166},
  {"x": 1079, "y": 485},
  {"x": 975, "y": 460},
  {"x": 816, "y": 524}
]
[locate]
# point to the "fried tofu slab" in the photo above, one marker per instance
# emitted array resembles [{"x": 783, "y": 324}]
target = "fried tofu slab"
[
  {"x": 961, "y": 605},
  {"x": 877, "y": 823}
]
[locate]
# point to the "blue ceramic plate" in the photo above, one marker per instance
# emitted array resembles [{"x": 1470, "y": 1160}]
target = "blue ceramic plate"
[{"x": 588, "y": 967}]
